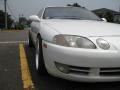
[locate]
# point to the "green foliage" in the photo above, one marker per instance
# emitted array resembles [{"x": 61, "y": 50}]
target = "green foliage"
[
  {"x": 109, "y": 16},
  {"x": 2, "y": 20},
  {"x": 74, "y": 5},
  {"x": 23, "y": 23},
  {"x": 19, "y": 27},
  {"x": 106, "y": 13}
]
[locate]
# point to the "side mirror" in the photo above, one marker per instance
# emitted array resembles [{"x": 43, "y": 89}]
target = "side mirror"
[
  {"x": 34, "y": 18},
  {"x": 104, "y": 19}
]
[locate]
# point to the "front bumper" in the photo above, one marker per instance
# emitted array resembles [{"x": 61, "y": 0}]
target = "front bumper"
[{"x": 86, "y": 64}]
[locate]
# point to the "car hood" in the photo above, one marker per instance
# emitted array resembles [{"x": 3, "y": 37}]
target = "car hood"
[{"x": 84, "y": 27}]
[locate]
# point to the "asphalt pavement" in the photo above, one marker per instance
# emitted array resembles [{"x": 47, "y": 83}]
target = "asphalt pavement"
[
  {"x": 10, "y": 76},
  {"x": 10, "y": 72}
]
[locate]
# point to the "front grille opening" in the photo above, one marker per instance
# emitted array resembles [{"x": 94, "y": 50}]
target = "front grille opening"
[
  {"x": 79, "y": 70},
  {"x": 102, "y": 69},
  {"x": 110, "y": 71}
]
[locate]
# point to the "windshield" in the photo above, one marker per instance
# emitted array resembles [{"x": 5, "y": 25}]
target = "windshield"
[{"x": 69, "y": 13}]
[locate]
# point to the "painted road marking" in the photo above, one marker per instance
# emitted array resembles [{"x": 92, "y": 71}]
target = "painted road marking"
[
  {"x": 13, "y": 42},
  {"x": 26, "y": 77}
]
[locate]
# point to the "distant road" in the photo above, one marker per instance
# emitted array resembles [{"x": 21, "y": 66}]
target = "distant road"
[{"x": 14, "y": 36}]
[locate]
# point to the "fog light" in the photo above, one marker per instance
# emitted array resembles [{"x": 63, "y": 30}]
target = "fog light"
[
  {"x": 62, "y": 67},
  {"x": 103, "y": 44}
]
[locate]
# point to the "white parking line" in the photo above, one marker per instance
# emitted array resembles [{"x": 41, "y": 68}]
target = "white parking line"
[{"x": 13, "y": 42}]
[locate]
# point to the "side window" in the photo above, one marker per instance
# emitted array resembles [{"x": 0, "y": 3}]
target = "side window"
[{"x": 40, "y": 13}]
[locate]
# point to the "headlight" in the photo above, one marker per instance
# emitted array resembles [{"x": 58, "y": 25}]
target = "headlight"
[
  {"x": 103, "y": 44},
  {"x": 74, "y": 41}
]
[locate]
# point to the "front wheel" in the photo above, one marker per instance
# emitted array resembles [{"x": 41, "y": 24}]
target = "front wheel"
[{"x": 39, "y": 61}]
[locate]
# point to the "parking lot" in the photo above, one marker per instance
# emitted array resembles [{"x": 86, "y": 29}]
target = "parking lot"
[{"x": 11, "y": 76}]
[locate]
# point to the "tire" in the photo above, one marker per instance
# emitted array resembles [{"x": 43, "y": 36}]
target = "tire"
[
  {"x": 30, "y": 41},
  {"x": 39, "y": 61}
]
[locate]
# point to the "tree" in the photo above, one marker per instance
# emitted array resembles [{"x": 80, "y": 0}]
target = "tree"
[
  {"x": 23, "y": 22},
  {"x": 109, "y": 16},
  {"x": 106, "y": 13},
  {"x": 2, "y": 20},
  {"x": 74, "y": 5}
]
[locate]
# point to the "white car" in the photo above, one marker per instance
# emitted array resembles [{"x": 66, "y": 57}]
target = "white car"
[{"x": 75, "y": 44}]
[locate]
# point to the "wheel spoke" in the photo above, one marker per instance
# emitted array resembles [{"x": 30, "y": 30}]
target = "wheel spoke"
[{"x": 37, "y": 55}]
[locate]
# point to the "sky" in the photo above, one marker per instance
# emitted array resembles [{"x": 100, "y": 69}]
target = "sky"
[{"x": 30, "y": 7}]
